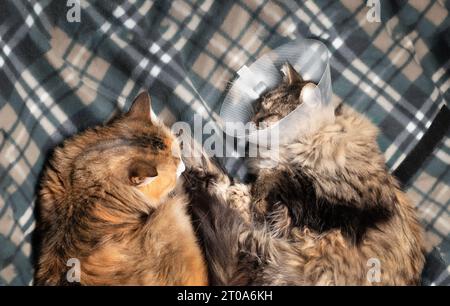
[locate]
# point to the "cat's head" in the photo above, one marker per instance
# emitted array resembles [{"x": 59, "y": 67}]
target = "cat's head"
[
  {"x": 283, "y": 99},
  {"x": 131, "y": 150}
]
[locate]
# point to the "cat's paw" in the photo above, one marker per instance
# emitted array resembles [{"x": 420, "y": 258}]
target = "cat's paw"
[
  {"x": 196, "y": 179},
  {"x": 206, "y": 179},
  {"x": 239, "y": 198}
]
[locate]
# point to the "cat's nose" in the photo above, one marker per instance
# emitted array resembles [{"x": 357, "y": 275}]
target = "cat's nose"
[{"x": 180, "y": 169}]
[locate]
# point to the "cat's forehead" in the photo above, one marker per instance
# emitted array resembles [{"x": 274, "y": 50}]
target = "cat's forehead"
[
  {"x": 143, "y": 134},
  {"x": 157, "y": 140},
  {"x": 283, "y": 91}
]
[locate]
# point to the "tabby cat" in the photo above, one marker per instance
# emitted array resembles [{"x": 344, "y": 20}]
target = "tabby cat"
[
  {"x": 328, "y": 213},
  {"x": 110, "y": 198}
]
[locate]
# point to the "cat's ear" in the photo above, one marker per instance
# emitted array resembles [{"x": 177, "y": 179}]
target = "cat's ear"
[
  {"x": 141, "y": 107},
  {"x": 141, "y": 172},
  {"x": 291, "y": 75}
]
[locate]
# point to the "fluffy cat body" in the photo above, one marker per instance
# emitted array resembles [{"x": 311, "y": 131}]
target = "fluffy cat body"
[
  {"x": 328, "y": 212},
  {"x": 96, "y": 206}
]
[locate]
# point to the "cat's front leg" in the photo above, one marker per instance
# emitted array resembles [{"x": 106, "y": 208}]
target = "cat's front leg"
[
  {"x": 260, "y": 192},
  {"x": 239, "y": 198}
]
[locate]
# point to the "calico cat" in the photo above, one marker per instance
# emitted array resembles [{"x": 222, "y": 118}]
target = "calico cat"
[
  {"x": 110, "y": 198},
  {"x": 328, "y": 213}
]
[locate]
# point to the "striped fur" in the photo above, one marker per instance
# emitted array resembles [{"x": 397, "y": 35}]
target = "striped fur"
[
  {"x": 323, "y": 215},
  {"x": 93, "y": 208}
]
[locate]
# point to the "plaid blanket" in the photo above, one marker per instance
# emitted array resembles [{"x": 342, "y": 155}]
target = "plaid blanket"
[{"x": 58, "y": 77}]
